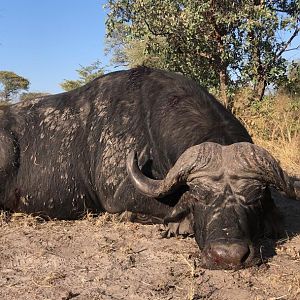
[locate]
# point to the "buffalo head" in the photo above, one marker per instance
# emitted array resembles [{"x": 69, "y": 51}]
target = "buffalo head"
[{"x": 227, "y": 194}]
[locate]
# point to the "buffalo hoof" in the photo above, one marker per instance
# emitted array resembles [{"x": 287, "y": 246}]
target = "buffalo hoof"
[
  {"x": 128, "y": 216},
  {"x": 183, "y": 228}
]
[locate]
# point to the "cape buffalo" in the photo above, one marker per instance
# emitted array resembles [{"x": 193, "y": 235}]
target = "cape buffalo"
[{"x": 64, "y": 154}]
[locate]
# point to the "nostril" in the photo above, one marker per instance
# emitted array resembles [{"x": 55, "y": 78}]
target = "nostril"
[
  {"x": 242, "y": 254},
  {"x": 245, "y": 254},
  {"x": 229, "y": 254}
]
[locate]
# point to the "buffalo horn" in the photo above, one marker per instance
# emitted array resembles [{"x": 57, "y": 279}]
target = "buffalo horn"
[
  {"x": 194, "y": 159},
  {"x": 268, "y": 169}
]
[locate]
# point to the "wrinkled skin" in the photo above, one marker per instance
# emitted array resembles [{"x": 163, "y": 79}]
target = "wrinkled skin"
[
  {"x": 229, "y": 220},
  {"x": 227, "y": 226}
]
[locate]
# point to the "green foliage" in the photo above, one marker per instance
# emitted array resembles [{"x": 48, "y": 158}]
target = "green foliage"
[
  {"x": 291, "y": 84},
  {"x": 32, "y": 96},
  {"x": 224, "y": 45},
  {"x": 264, "y": 44},
  {"x": 11, "y": 84},
  {"x": 86, "y": 74}
]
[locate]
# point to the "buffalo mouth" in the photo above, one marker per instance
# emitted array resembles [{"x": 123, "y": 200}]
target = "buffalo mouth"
[{"x": 229, "y": 255}]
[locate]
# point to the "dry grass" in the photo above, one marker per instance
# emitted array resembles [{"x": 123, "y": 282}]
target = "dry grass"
[
  {"x": 274, "y": 124},
  {"x": 291, "y": 282},
  {"x": 20, "y": 219},
  {"x": 4, "y": 218},
  {"x": 286, "y": 152},
  {"x": 191, "y": 293}
]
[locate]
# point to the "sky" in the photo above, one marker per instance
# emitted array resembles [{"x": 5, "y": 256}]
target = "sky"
[{"x": 46, "y": 41}]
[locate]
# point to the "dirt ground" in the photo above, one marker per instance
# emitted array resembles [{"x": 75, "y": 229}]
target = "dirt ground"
[{"x": 103, "y": 258}]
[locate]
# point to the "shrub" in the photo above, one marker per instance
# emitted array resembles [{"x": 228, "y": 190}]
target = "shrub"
[{"x": 274, "y": 123}]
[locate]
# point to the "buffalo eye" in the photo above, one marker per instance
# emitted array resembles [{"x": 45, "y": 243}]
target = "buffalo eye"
[
  {"x": 253, "y": 196},
  {"x": 201, "y": 195}
]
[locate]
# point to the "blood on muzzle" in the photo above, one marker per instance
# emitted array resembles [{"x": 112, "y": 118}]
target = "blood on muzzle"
[{"x": 226, "y": 254}]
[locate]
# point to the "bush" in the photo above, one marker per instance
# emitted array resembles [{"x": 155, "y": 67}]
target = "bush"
[{"x": 274, "y": 123}]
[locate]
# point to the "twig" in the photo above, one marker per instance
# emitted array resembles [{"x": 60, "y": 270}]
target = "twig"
[{"x": 280, "y": 297}]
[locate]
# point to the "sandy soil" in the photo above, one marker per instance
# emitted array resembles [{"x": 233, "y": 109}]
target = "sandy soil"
[{"x": 103, "y": 258}]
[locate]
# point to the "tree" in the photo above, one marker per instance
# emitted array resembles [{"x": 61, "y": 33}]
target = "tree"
[
  {"x": 269, "y": 33},
  {"x": 222, "y": 44},
  {"x": 291, "y": 84},
  {"x": 133, "y": 52},
  {"x": 86, "y": 74},
  {"x": 11, "y": 84}
]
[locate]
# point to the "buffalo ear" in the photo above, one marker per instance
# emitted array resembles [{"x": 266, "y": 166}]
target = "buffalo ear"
[{"x": 177, "y": 214}]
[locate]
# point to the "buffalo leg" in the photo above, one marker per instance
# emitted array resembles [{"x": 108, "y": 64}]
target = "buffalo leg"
[
  {"x": 126, "y": 198},
  {"x": 135, "y": 207}
]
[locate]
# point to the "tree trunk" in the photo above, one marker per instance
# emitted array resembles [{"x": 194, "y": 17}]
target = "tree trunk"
[
  {"x": 223, "y": 87},
  {"x": 259, "y": 89}
]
